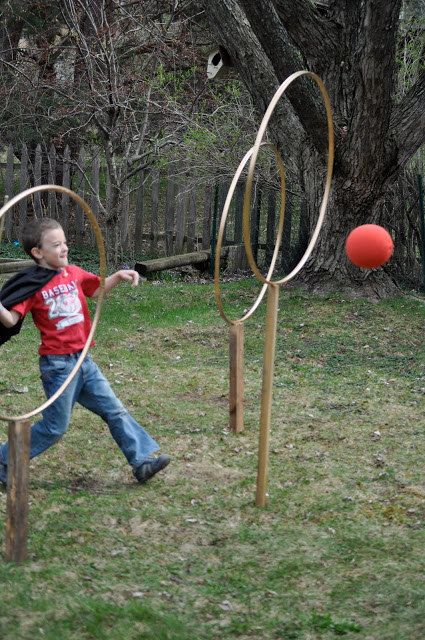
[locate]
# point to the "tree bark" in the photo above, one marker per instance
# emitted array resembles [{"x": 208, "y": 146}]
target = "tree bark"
[{"x": 352, "y": 47}]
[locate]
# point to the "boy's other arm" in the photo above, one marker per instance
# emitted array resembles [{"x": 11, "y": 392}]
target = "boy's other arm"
[
  {"x": 8, "y": 318},
  {"x": 125, "y": 275}
]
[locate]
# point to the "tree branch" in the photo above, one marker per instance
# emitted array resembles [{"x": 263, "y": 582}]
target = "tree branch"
[
  {"x": 408, "y": 121},
  {"x": 374, "y": 87},
  {"x": 316, "y": 37},
  {"x": 250, "y": 61},
  {"x": 286, "y": 59}
]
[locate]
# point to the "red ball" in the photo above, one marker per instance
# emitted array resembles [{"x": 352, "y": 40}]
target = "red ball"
[{"x": 369, "y": 246}]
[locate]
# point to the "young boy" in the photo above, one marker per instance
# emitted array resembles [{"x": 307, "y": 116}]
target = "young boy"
[{"x": 60, "y": 312}]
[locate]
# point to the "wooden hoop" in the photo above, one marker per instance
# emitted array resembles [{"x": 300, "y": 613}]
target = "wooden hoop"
[
  {"x": 249, "y": 180},
  {"x": 217, "y": 291},
  {"x": 102, "y": 268}
]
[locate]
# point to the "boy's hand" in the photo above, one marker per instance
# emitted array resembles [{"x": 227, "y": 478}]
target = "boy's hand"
[
  {"x": 125, "y": 275},
  {"x": 128, "y": 275}
]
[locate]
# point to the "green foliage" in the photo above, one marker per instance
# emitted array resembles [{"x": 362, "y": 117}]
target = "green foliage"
[
  {"x": 12, "y": 250},
  {"x": 411, "y": 46},
  {"x": 199, "y": 140}
]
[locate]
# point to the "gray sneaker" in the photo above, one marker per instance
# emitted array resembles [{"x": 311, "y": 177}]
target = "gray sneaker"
[
  {"x": 150, "y": 467},
  {"x": 3, "y": 474}
]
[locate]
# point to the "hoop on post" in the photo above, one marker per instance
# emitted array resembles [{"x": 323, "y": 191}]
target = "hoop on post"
[
  {"x": 273, "y": 285},
  {"x": 249, "y": 181},
  {"x": 236, "y": 338},
  {"x": 102, "y": 268},
  {"x": 226, "y": 207}
]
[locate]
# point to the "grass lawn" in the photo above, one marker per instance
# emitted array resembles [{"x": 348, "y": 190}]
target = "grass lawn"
[{"x": 339, "y": 549}]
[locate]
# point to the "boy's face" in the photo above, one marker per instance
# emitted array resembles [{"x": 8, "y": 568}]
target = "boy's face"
[{"x": 53, "y": 253}]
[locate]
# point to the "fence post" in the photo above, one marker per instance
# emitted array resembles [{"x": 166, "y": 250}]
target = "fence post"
[
  {"x": 66, "y": 182},
  {"x": 139, "y": 214},
  {"x": 271, "y": 220},
  {"x": 8, "y": 192},
  {"x": 37, "y": 181},
  {"x": 154, "y": 212},
  {"x": 240, "y": 187},
  {"x": 181, "y": 204},
  {"x": 169, "y": 210},
  {"x": 422, "y": 225},
  {"x": 125, "y": 203},
  {"x": 96, "y": 189},
  {"x": 206, "y": 227},
  {"x": 23, "y": 184},
  {"x": 52, "y": 203},
  {"x": 214, "y": 230},
  {"x": 255, "y": 229},
  {"x": 191, "y": 221},
  {"x": 79, "y": 188}
]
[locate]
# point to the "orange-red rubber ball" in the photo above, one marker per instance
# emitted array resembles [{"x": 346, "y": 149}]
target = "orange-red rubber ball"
[{"x": 369, "y": 246}]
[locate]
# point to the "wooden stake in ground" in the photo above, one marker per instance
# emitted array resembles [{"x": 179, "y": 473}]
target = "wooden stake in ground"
[
  {"x": 19, "y": 433},
  {"x": 236, "y": 348},
  {"x": 17, "y": 491},
  {"x": 272, "y": 306},
  {"x": 236, "y": 377},
  {"x": 267, "y": 394}
]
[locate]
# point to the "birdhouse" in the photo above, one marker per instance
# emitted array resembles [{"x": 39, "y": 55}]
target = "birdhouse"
[{"x": 219, "y": 64}]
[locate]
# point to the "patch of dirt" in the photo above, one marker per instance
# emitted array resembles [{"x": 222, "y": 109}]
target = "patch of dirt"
[{"x": 205, "y": 470}]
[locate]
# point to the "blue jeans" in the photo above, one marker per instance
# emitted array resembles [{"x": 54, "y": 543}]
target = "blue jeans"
[{"x": 90, "y": 389}]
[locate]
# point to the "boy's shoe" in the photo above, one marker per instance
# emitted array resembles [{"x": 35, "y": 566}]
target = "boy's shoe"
[
  {"x": 150, "y": 467},
  {"x": 3, "y": 474}
]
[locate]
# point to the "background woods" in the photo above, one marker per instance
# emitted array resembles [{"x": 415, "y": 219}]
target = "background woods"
[
  {"x": 169, "y": 211},
  {"x": 113, "y": 99}
]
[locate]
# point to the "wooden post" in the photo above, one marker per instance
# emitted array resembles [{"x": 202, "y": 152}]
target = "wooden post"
[
  {"x": 66, "y": 182},
  {"x": 23, "y": 184},
  {"x": 153, "y": 250},
  {"x": 38, "y": 160},
  {"x": 79, "y": 188},
  {"x": 181, "y": 202},
  {"x": 191, "y": 221},
  {"x": 206, "y": 227},
  {"x": 139, "y": 215},
  {"x": 8, "y": 193},
  {"x": 271, "y": 220},
  {"x": 255, "y": 231},
  {"x": 95, "y": 180},
  {"x": 267, "y": 393},
  {"x": 236, "y": 360},
  {"x": 238, "y": 212},
  {"x": 51, "y": 196},
  {"x": 169, "y": 210},
  {"x": 125, "y": 205},
  {"x": 17, "y": 491}
]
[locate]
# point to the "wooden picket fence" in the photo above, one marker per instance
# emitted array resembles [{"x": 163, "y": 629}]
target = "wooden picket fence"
[{"x": 163, "y": 213}]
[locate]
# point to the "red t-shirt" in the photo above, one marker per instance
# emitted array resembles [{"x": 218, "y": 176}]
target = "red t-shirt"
[{"x": 60, "y": 311}]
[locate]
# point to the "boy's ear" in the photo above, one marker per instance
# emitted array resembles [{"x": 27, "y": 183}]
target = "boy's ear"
[{"x": 36, "y": 253}]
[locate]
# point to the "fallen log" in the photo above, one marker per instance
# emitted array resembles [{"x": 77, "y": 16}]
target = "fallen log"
[
  {"x": 182, "y": 260},
  {"x": 12, "y": 266}
]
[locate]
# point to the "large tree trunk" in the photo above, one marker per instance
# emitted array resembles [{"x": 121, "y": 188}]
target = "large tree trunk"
[
  {"x": 328, "y": 269},
  {"x": 352, "y": 47}
]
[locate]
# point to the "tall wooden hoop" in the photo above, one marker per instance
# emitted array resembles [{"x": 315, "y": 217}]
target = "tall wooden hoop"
[
  {"x": 226, "y": 207},
  {"x": 249, "y": 181}
]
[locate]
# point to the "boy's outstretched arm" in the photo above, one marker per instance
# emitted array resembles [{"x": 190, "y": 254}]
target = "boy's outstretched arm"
[
  {"x": 124, "y": 275},
  {"x": 8, "y": 318}
]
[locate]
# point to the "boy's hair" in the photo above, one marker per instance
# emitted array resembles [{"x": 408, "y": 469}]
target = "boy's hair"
[{"x": 32, "y": 235}]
